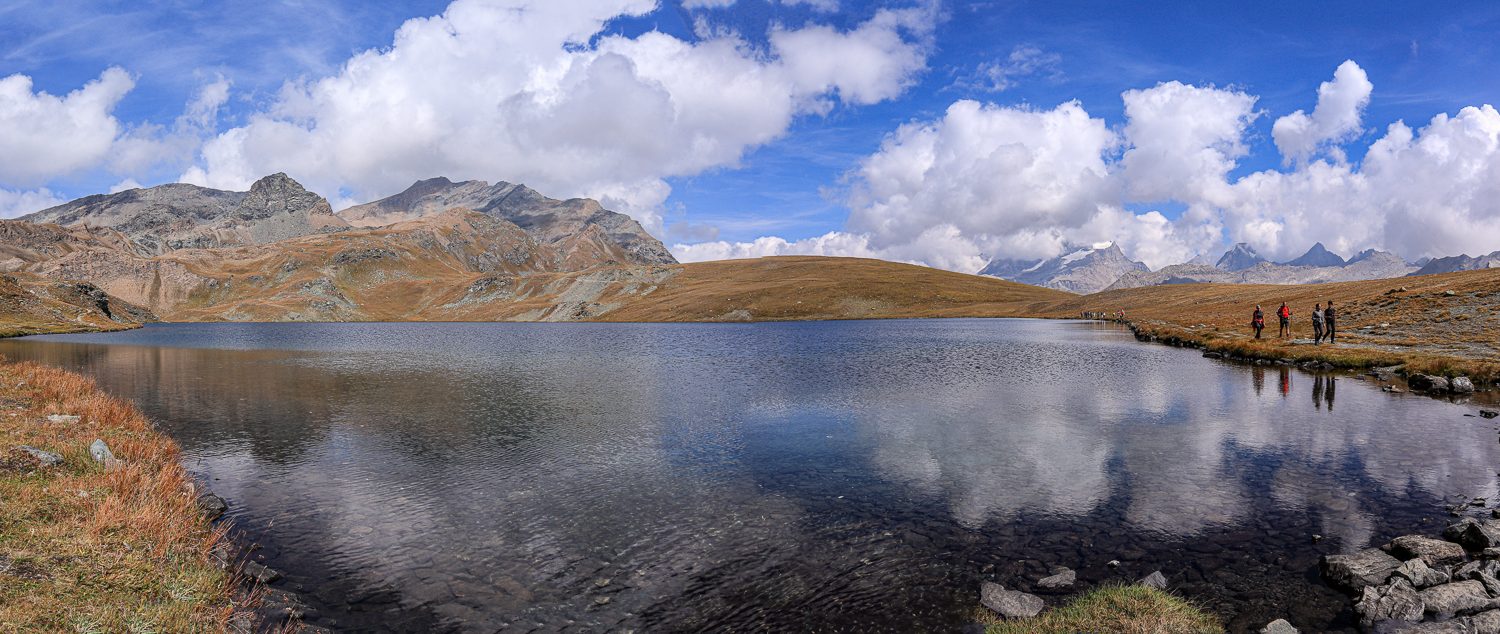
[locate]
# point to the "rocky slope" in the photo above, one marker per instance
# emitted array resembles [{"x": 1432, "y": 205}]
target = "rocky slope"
[
  {"x": 34, "y": 305},
  {"x": 1081, "y": 270},
  {"x": 1459, "y": 263},
  {"x": 583, "y": 222},
  {"x": 1318, "y": 255},
  {"x": 1368, "y": 265},
  {"x": 179, "y": 216}
]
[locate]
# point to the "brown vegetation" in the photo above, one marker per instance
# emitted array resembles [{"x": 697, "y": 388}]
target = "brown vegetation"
[
  {"x": 1117, "y": 609},
  {"x": 1445, "y": 324},
  {"x": 89, "y": 549}
]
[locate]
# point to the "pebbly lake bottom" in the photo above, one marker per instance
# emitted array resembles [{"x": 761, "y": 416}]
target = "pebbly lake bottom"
[{"x": 823, "y": 476}]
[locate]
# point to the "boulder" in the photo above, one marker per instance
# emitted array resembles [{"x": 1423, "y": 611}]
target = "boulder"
[
  {"x": 1397, "y": 601},
  {"x": 1461, "y": 625},
  {"x": 43, "y": 458},
  {"x": 101, "y": 452},
  {"x": 1365, "y": 568},
  {"x": 63, "y": 419},
  {"x": 1487, "y": 622},
  {"x": 1420, "y": 574},
  {"x": 1154, "y": 580},
  {"x": 1433, "y": 552},
  {"x": 212, "y": 506},
  {"x": 1061, "y": 579},
  {"x": 259, "y": 572},
  {"x": 1472, "y": 534},
  {"x": 1459, "y": 597},
  {"x": 1461, "y": 385},
  {"x": 1009, "y": 603},
  {"x": 1279, "y": 626},
  {"x": 1427, "y": 382}
]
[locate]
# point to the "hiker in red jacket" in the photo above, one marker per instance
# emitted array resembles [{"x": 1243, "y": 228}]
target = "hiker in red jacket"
[
  {"x": 1258, "y": 321},
  {"x": 1285, "y": 313}
]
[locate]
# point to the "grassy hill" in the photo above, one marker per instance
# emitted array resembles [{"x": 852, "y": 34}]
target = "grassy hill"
[
  {"x": 30, "y": 306},
  {"x": 1444, "y": 323}
]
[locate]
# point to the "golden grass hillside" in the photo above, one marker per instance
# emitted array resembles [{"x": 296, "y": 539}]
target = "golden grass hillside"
[
  {"x": 813, "y": 287},
  {"x": 30, "y": 305},
  {"x": 1446, "y": 324},
  {"x": 89, "y": 549}
]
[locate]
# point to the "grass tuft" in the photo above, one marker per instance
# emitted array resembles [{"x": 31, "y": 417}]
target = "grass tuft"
[{"x": 1122, "y": 609}]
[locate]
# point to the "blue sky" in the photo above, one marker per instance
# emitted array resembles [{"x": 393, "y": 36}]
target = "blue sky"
[{"x": 804, "y": 179}]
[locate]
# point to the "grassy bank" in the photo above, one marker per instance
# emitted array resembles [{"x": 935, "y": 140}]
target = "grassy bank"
[
  {"x": 1119, "y": 609},
  {"x": 89, "y": 549}
]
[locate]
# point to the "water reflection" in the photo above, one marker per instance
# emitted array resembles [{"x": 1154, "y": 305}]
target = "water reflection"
[{"x": 858, "y": 475}]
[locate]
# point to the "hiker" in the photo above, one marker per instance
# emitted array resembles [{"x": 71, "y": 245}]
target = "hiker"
[
  {"x": 1285, "y": 315},
  {"x": 1258, "y": 321},
  {"x": 1328, "y": 322},
  {"x": 1318, "y": 324}
]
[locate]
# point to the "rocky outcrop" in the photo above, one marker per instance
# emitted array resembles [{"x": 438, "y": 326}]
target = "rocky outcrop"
[
  {"x": 1318, "y": 255},
  {"x": 1080, "y": 270},
  {"x": 1240, "y": 257},
  {"x": 563, "y": 224},
  {"x": 1356, "y": 571},
  {"x": 1459, "y": 263}
]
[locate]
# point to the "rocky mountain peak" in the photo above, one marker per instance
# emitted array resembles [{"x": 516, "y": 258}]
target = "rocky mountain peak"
[
  {"x": 1318, "y": 255},
  {"x": 1242, "y": 256}
]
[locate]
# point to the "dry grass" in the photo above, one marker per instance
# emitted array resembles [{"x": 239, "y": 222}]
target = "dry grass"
[
  {"x": 89, "y": 549},
  {"x": 1116, "y": 610},
  {"x": 1412, "y": 321}
]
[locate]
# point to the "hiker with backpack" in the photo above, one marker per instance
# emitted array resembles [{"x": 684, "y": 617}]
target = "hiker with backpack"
[
  {"x": 1317, "y": 319},
  {"x": 1258, "y": 321},
  {"x": 1285, "y": 315}
]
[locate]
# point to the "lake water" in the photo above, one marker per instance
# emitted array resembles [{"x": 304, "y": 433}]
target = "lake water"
[{"x": 833, "y": 476}]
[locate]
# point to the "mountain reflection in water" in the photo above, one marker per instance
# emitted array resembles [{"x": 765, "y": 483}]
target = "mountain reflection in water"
[{"x": 836, "y": 475}]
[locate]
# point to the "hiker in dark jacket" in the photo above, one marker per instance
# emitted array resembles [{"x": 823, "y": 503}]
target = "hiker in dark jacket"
[
  {"x": 1258, "y": 321},
  {"x": 1318, "y": 324},
  {"x": 1328, "y": 322}
]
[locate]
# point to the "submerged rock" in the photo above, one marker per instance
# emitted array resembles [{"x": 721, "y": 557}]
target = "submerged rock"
[
  {"x": 1427, "y": 382},
  {"x": 1009, "y": 603},
  {"x": 1433, "y": 552},
  {"x": 1398, "y": 601},
  {"x": 1488, "y": 413},
  {"x": 1365, "y": 568},
  {"x": 1063, "y": 578},
  {"x": 260, "y": 572},
  {"x": 1459, "y": 597}
]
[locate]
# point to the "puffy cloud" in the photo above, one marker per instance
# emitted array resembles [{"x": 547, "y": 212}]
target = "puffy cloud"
[
  {"x": 43, "y": 136},
  {"x": 1183, "y": 140},
  {"x": 20, "y": 203},
  {"x": 834, "y": 243},
  {"x": 529, "y": 90},
  {"x": 1335, "y": 119}
]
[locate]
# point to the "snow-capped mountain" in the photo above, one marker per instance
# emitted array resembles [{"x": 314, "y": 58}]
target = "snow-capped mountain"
[
  {"x": 1080, "y": 270},
  {"x": 1239, "y": 258}
]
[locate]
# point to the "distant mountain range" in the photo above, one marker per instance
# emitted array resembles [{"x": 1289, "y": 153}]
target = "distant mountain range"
[{"x": 1105, "y": 267}]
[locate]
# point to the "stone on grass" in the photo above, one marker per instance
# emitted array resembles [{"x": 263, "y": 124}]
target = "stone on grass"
[
  {"x": 1060, "y": 579},
  {"x": 101, "y": 452},
  {"x": 1154, "y": 580},
  {"x": 1364, "y": 568},
  {"x": 1433, "y": 552},
  {"x": 1460, "y": 597},
  {"x": 1397, "y": 601},
  {"x": 1279, "y": 626},
  {"x": 43, "y": 458},
  {"x": 1009, "y": 603},
  {"x": 1420, "y": 574},
  {"x": 63, "y": 419}
]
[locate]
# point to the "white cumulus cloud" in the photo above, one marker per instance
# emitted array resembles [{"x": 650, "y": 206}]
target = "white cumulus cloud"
[
  {"x": 1336, "y": 118},
  {"x": 530, "y": 91},
  {"x": 43, "y": 136},
  {"x": 20, "y": 203}
]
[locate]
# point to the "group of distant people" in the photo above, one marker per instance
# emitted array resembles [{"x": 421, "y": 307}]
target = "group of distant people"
[{"x": 1323, "y": 320}]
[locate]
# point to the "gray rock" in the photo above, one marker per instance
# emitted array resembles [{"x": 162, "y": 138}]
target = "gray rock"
[
  {"x": 1472, "y": 534},
  {"x": 212, "y": 506},
  {"x": 259, "y": 572},
  {"x": 1427, "y": 383},
  {"x": 1460, "y": 625},
  {"x": 1155, "y": 580},
  {"x": 1461, "y": 385},
  {"x": 1420, "y": 574},
  {"x": 1009, "y": 603},
  {"x": 1279, "y": 626},
  {"x": 1491, "y": 553},
  {"x": 63, "y": 419},
  {"x": 1487, "y": 622},
  {"x": 1488, "y": 413},
  {"x": 1397, "y": 601},
  {"x": 100, "y": 452},
  {"x": 1060, "y": 579},
  {"x": 1365, "y": 568},
  {"x": 1459, "y": 597},
  {"x": 1433, "y": 552},
  {"x": 43, "y": 458}
]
